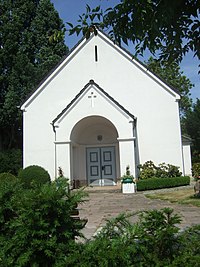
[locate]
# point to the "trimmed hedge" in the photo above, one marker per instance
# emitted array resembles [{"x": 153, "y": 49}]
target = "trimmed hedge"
[{"x": 159, "y": 183}]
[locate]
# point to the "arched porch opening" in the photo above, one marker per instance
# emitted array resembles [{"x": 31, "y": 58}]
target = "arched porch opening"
[{"x": 94, "y": 152}]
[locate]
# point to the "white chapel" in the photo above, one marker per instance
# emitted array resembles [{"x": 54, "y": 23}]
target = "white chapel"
[{"x": 98, "y": 111}]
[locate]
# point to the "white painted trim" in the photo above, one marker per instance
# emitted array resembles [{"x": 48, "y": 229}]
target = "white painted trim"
[
  {"x": 62, "y": 142},
  {"x": 126, "y": 139}
]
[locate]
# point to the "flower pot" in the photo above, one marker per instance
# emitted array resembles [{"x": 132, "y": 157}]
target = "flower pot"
[{"x": 128, "y": 188}]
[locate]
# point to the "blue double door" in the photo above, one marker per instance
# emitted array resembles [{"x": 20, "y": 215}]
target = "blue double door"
[{"x": 101, "y": 166}]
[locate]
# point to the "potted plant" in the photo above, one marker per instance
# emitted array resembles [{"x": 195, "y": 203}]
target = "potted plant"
[{"x": 128, "y": 182}]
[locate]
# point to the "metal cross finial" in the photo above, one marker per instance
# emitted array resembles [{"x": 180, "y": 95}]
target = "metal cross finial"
[{"x": 92, "y": 96}]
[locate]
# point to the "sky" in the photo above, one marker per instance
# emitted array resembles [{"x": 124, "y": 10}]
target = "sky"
[{"x": 69, "y": 11}]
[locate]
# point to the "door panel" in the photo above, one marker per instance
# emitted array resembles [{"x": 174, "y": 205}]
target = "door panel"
[
  {"x": 101, "y": 166},
  {"x": 93, "y": 163},
  {"x": 108, "y": 162}
]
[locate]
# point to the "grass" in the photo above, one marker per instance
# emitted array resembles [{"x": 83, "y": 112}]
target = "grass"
[{"x": 182, "y": 196}]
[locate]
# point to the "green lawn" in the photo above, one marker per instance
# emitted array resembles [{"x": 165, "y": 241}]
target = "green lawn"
[{"x": 184, "y": 196}]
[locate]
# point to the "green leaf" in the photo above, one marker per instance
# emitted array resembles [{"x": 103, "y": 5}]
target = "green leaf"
[
  {"x": 70, "y": 24},
  {"x": 88, "y": 8}
]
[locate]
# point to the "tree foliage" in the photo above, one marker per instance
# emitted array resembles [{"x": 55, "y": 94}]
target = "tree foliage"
[
  {"x": 172, "y": 29},
  {"x": 192, "y": 128},
  {"x": 11, "y": 161},
  {"x": 26, "y": 55}
]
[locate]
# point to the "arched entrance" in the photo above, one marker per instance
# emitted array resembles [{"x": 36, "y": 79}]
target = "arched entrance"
[{"x": 95, "y": 152}]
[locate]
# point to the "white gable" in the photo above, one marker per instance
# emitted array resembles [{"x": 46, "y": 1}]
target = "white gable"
[
  {"x": 108, "y": 53},
  {"x": 92, "y": 100}
]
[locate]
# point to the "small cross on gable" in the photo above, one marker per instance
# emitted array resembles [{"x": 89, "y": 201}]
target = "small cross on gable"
[{"x": 92, "y": 96}]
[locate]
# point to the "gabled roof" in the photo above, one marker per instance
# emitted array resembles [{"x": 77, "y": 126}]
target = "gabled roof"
[
  {"x": 65, "y": 59},
  {"x": 91, "y": 82}
]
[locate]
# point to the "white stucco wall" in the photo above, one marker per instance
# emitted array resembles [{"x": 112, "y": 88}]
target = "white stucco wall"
[
  {"x": 146, "y": 97},
  {"x": 187, "y": 159}
]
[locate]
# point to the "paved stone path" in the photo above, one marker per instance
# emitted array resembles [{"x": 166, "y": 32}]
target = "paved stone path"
[{"x": 103, "y": 204}]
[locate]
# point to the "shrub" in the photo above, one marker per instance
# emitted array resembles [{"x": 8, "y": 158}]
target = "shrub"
[
  {"x": 163, "y": 170},
  {"x": 6, "y": 176},
  {"x": 158, "y": 183},
  {"x": 34, "y": 175},
  {"x": 173, "y": 171},
  {"x": 190, "y": 248},
  {"x": 196, "y": 170},
  {"x": 8, "y": 188},
  {"x": 10, "y": 161},
  {"x": 147, "y": 170},
  {"x": 152, "y": 241},
  {"x": 36, "y": 226}
]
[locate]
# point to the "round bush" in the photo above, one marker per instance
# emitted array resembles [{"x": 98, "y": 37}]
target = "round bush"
[
  {"x": 34, "y": 175},
  {"x": 6, "y": 176}
]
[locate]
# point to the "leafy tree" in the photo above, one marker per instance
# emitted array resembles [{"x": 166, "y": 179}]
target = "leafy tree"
[
  {"x": 172, "y": 74},
  {"x": 172, "y": 28},
  {"x": 26, "y": 55},
  {"x": 192, "y": 128}
]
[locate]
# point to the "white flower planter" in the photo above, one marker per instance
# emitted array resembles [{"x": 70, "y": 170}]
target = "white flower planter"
[{"x": 128, "y": 188}]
